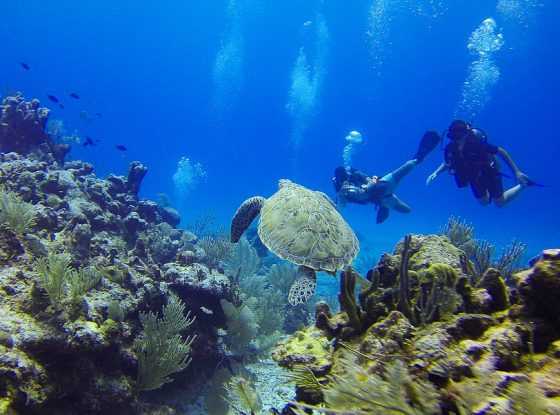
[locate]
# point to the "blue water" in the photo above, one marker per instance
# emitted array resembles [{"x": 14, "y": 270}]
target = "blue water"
[{"x": 150, "y": 70}]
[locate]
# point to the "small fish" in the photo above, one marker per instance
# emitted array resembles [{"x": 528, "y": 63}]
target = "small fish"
[
  {"x": 98, "y": 115},
  {"x": 120, "y": 147},
  {"x": 90, "y": 141},
  {"x": 74, "y": 95},
  {"x": 206, "y": 310},
  {"x": 25, "y": 66},
  {"x": 53, "y": 98}
]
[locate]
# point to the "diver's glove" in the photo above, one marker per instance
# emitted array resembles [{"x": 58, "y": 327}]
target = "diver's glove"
[{"x": 431, "y": 178}]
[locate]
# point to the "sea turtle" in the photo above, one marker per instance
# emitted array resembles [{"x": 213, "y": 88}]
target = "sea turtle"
[{"x": 303, "y": 227}]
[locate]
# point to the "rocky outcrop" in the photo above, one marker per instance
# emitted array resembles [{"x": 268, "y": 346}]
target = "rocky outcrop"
[
  {"x": 22, "y": 129},
  {"x": 75, "y": 355},
  {"x": 477, "y": 362}
]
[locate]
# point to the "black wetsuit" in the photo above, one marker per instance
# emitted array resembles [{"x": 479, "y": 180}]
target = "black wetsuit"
[
  {"x": 355, "y": 187},
  {"x": 475, "y": 165}
]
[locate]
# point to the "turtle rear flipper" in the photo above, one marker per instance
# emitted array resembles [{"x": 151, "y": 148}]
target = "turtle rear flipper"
[
  {"x": 303, "y": 287},
  {"x": 244, "y": 215}
]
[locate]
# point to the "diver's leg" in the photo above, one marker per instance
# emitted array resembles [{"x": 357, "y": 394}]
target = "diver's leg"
[
  {"x": 393, "y": 179},
  {"x": 480, "y": 191},
  {"x": 508, "y": 195},
  {"x": 483, "y": 200},
  {"x": 496, "y": 189},
  {"x": 395, "y": 203}
]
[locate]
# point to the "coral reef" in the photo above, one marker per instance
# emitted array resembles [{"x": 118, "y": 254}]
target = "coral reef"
[
  {"x": 419, "y": 339},
  {"x": 84, "y": 266},
  {"x": 22, "y": 129}
]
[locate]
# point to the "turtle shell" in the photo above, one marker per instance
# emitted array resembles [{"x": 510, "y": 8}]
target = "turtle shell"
[{"x": 304, "y": 227}]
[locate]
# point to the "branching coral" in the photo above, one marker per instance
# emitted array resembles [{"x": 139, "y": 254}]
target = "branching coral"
[
  {"x": 482, "y": 257},
  {"x": 160, "y": 349},
  {"x": 18, "y": 215},
  {"x": 480, "y": 252},
  {"x": 359, "y": 392},
  {"x": 510, "y": 258},
  {"x": 203, "y": 225},
  {"x": 460, "y": 233},
  {"x": 217, "y": 248}
]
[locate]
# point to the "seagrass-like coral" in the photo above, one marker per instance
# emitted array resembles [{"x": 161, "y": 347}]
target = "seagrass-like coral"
[
  {"x": 243, "y": 261},
  {"x": 242, "y": 325},
  {"x": 160, "y": 349},
  {"x": 359, "y": 392},
  {"x": 15, "y": 213},
  {"x": 81, "y": 281},
  {"x": 54, "y": 271},
  {"x": 115, "y": 311},
  {"x": 63, "y": 283},
  {"x": 242, "y": 397}
]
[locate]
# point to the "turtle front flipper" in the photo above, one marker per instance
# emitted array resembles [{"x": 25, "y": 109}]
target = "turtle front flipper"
[
  {"x": 244, "y": 215},
  {"x": 303, "y": 287}
]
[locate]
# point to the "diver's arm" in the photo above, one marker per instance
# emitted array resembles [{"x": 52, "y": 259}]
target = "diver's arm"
[
  {"x": 519, "y": 175},
  {"x": 442, "y": 167}
]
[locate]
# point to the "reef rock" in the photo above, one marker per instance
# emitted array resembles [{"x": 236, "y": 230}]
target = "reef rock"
[
  {"x": 483, "y": 363},
  {"x": 539, "y": 287},
  {"x": 22, "y": 129},
  {"x": 74, "y": 354}
]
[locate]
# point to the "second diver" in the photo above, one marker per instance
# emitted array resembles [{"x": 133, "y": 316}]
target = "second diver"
[{"x": 353, "y": 186}]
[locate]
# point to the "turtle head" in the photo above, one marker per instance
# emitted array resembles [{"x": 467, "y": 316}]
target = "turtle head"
[{"x": 245, "y": 215}]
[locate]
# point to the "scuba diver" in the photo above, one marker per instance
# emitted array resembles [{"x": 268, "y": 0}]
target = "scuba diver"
[
  {"x": 353, "y": 186},
  {"x": 472, "y": 161}
]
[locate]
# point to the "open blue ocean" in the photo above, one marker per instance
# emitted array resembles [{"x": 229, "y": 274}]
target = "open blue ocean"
[{"x": 214, "y": 82}]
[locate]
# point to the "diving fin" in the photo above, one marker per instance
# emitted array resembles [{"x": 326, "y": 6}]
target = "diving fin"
[
  {"x": 382, "y": 214},
  {"x": 429, "y": 142},
  {"x": 529, "y": 183},
  {"x": 535, "y": 184}
]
